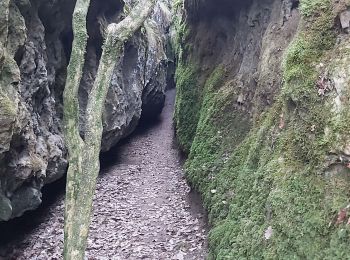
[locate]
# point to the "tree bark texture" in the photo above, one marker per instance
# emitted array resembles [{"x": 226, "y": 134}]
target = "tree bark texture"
[{"x": 84, "y": 154}]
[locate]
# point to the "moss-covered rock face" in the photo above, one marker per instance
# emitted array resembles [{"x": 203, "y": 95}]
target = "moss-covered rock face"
[{"x": 266, "y": 97}]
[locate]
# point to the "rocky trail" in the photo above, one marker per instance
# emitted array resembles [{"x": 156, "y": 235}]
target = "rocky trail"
[{"x": 143, "y": 207}]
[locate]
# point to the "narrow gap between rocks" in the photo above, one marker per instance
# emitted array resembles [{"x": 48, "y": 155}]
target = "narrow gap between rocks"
[{"x": 143, "y": 207}]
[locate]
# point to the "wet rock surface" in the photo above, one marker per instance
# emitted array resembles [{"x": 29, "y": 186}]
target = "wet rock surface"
[{"x": 143, "y": 208}]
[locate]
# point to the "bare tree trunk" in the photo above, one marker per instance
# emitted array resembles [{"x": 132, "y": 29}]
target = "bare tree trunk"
[
  {"x": 84, "y": 154},
  {"x": 73, "y": 248}
]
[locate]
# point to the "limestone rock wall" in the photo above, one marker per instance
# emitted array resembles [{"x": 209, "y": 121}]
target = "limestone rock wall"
[
  {"x": 36, "y": 37},
  {"x": 244, "y": 41},
  {"x": 262, "y": 109}
]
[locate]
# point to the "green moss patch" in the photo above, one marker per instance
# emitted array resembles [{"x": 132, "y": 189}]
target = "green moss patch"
[
  {"x": 188, "y": 103},
  {"x": 266, "y": 187}
]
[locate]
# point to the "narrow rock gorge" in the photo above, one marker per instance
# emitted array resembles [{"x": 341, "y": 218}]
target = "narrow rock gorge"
[{"x": 261, "y": 115}]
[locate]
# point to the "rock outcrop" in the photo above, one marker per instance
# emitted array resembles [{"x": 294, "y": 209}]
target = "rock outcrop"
[
  {"x": 262, "y": 105},
  {"x": 247, "y": 39},
  {"x": 35, "y": 47}
]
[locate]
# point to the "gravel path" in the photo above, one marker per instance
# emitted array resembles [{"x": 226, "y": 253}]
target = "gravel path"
[{"x": 143, "y": 208}]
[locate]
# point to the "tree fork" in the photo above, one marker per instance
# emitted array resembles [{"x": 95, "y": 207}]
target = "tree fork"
[
  {"x": 73, "y": 247},
  {"x": 84, "y": 154}
]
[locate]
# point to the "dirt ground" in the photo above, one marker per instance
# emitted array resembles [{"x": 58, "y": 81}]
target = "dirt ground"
[{"x": 143, "y": 208}]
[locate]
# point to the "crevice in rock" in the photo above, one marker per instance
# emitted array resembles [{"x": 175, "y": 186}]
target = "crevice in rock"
[
  {"x": 295, "y": 4},
  {"x": 19, "y": 55},
  {"x": 67, "y": 40}
]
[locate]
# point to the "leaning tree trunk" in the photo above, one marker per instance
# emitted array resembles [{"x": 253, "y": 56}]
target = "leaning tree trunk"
[{"x": 84, "y": 154}]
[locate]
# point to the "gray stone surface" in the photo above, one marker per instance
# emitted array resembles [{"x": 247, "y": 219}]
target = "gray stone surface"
[
  {"x": 345, "y": 19},
  {"x": 5, "y": 208},
  {"x": 34, "y": 54},
  {"x": 26, "y": 198},
  {"x": 247, "y": 38}
]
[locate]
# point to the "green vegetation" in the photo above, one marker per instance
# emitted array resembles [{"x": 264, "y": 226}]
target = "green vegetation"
[
  {"x": 9, "y": 74},
  {"x": 188, "y": 101},
  {"x": 313, "y": 7},
  {"x": 277, "y": 175},
  {"x": 8, "y": 108}
]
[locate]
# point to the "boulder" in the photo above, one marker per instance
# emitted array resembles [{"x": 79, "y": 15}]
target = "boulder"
[{"x": 35, "y": 46}]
